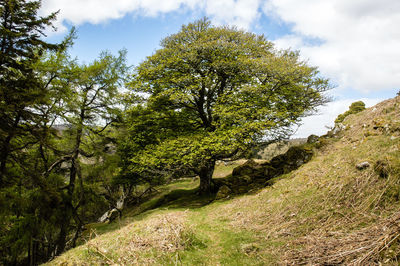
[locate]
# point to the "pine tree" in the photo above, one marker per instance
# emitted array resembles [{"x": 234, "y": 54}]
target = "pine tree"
[{"x": 21, "y": 30}]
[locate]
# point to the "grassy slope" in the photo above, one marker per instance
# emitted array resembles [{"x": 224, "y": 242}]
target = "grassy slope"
[{"x": 326, "y": 212}]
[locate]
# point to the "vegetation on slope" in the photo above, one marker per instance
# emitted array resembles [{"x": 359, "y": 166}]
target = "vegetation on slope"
[{"x": 326, "y": 212}]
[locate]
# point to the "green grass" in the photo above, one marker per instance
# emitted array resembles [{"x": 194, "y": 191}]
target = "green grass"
[{"x": 222, "y": 170}]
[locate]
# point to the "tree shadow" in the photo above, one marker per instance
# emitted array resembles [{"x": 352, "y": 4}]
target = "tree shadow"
[{"x": 185, "y": 198}]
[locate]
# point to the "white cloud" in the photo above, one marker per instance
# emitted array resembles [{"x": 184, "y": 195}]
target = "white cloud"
[
  {"x": 78, "y": 12},
  {"x": 241, "y": 13},
  {"x": 360, "y": 39},
  {"x": 318, "y": 124},
  {"x": 357, "y": 41}
]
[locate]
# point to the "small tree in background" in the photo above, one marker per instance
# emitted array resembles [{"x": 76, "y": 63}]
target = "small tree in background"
[
  {"x": 213, "y": 92},
  {"x": 354, "y": 108}
]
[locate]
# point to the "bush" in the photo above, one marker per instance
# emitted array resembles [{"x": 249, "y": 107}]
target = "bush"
[{"x": 354, "y": 108}]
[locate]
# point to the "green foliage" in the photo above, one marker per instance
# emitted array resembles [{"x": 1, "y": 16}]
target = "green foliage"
[
  {"x": 50, "y": 186},
  {"x": 217, "y": 91},
  {"x": 20, "y": 86},
  {"x": 354, "y": 108},
  {"x": 29, "y": 203}
]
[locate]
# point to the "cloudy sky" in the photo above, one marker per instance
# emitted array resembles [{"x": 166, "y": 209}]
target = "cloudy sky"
[{"x": 354, "y": 43}]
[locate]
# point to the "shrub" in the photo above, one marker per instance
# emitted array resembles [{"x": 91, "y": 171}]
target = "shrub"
[{"x": 354, "y": 108}]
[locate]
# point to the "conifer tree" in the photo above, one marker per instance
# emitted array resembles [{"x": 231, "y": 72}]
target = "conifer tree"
[{"x": 21, "y": 30}]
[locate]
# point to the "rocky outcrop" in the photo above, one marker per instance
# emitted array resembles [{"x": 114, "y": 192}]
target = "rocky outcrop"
[
  {"x": 253, "y": 175},
  {"x": 338, "y": 128},
  {"x": 248, "y": 168}
]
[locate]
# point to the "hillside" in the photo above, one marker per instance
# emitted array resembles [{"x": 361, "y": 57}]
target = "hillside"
[{"x": 327, "y": 212}]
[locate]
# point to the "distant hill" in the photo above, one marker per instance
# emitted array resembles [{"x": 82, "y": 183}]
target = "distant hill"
[{"x": 342, "y": 207}]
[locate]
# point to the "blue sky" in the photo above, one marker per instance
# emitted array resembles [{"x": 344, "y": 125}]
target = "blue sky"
[{"x": 354, "y": 43}]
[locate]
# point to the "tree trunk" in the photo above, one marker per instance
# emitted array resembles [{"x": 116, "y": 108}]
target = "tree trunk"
[
  {"x": 5, "y": 149},
  {"x": 68, "y": 205},
  {"x": 61, "y": 241},
  {"x": 205, "y": 174}
]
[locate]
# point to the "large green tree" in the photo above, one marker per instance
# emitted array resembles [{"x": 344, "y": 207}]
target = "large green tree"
[{"x": 213, "y": 92}]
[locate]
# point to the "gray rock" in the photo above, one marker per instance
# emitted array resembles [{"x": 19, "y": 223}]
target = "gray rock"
[
  {"x": 338, "y": 128},
  {"x": 248, "y": 168},
  {"x": 363, "y": 165}
]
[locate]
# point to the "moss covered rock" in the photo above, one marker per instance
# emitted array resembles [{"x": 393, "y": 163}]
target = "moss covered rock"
[
  {"x": 250, "y": 167},
  {"x": 251, "y": 174},
  {"x": 223, "y": 192}
]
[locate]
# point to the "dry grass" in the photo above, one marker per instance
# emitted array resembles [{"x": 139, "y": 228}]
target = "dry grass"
[
  {"x": 135, "y": 244},
  {"x": 328, "y": 212},
  {"x": 362, "y": 247}
]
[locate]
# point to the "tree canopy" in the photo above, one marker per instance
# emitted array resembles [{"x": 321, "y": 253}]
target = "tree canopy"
[
  {"x": 21, "y": 30},
  {"x": 218, "y": 90}
]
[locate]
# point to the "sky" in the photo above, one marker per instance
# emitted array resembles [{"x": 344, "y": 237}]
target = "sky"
[{"x": 353, "y": 43}]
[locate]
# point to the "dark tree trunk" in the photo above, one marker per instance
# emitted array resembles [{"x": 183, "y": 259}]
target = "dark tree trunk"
[
  {"x": 61, "y": 241},
  {"x": 3, "y": 157},
  {"x": 5, "y": 148},
  {"x": 205, "y": 174},
  {"x": 68, "y": 206}
]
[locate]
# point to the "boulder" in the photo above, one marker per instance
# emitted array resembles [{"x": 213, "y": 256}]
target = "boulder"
[
  {"x": 239, "y": 180},
  {"x": 363, "y": 165},
  {"x": 339, "y": 127},
  {"x": 110, "y": 148},
  {"x": 250, "y": 167},
  {"x": 223, "y": 192},
  {"x": 292, "y": 159}
]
